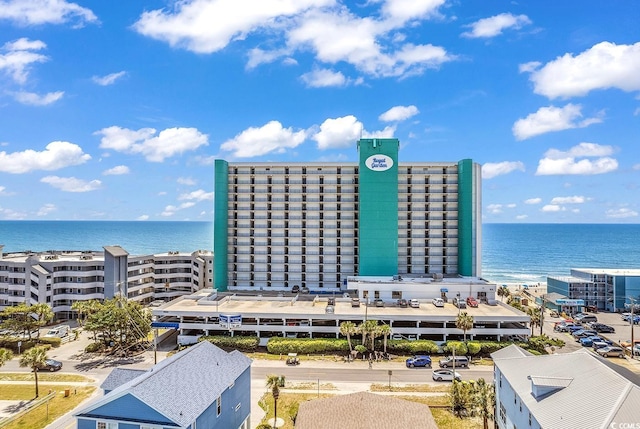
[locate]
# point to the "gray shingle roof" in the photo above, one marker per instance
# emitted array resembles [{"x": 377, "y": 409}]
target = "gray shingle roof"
[
  {"x": 183, "y": 386},
  {"x": 596, "y": 396},
  {"x": 119, "y": 376},
  {"x": 363, "y": 410},
  {"x": 509, "y": 352}
]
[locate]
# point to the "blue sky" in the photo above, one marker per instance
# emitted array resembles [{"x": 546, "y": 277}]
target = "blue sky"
[{"x": 116, "y": 110}]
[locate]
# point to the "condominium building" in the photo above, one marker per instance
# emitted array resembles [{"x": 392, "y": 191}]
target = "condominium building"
[
  {"x": 60, "y": 278},
  {"x": 278, "y": 225},
  {"x": 605, "y": 288}
]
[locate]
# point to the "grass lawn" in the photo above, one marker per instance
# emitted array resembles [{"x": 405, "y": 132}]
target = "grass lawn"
[
  {"x": 287, "y": 406},
  {"x": 42, "y": 415},
  {"x": 43, "y": 376}
]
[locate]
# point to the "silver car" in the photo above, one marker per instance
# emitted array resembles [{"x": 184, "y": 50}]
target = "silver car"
[{"x": 445, "y": 375}]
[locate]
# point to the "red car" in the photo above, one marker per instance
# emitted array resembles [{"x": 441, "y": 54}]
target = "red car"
[{"x": 472, "y": 302}]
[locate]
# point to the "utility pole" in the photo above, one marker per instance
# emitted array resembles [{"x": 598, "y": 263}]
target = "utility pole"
[
  {"x": 542, "y": 315},
  {"x": 632, "y": 323}
]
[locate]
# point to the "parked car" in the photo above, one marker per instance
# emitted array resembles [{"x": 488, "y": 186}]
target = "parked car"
[
  {"x": 378, "y": 303},
  {"x": 438, "y": 302},
  {"x": 588, "y": 341},
  {"x": 419, "y": 361},
  {"x": 568, "y": 327},
  {"x": 602, "y": 328},
  {"x": 459, "y": 303},
  {"x": 583, "y": 333},
  {"x": 331, "y": 301},
  {"x": 414, "y": 303},
  {"x": 472, "y": 302},
  {"x": 58, "y": 332},
  {"x": 403, "y": 303},
  {"x": 329, "y": 309},
  {"x": 445, "y": 375},
  {"x": 599, "y": 344},
  {"x": 295, "y": 289},
  {"x": 50, "y": 365},
  {"x": 355, "y": 302},
  {"x": 458, "y": 362},
  {"x": 584, "y": 318},
  {"x": 611, "y": 351}
]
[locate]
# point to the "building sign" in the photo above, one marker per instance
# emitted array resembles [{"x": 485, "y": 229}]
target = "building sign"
[
  {"x": 379, "y": 162},
  {"x": 230, "y": 321},
  {"x": 575, "y": 302}
]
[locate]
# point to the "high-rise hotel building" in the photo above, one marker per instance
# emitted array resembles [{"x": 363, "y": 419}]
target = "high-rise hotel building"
[{"x": 315, "y": 224}]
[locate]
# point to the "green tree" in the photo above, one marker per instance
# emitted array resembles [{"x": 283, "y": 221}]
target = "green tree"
[
  {"x": 348, "y": 329},
  {"x": 24, "y": 319},
  {"x": 84, "y": 309},
  {"x": 385, "y": 331},
  {"x": 483, "y": 401},
  {"x": 34, "y": 358},
  {"x": 536, "y": 319},
  {"x": 368, "y": 330},
  {"x": 460, "y": 398},
  {"x": 464, "y": 321},
  {"x": 540, "y": 343},
  {"x": 273, "y": 383},
  {"x": 5, "y": 356},
  {"x": 125, "y": 323},
  {"x": 503, "y": 292}
]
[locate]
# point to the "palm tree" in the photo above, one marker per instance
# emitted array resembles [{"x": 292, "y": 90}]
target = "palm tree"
[
  {"x": 484, "y": 401},
  {"x": 503, "y": 292},
  {"x": 84, "y": 309},
  {"x": 273, "y": 383},
  {"x": 385, "y": 331},
  {"x": 5, "y": 356},
  {"x": 464, "y": 321},
  {"x": 34, "y": 358},
  {"x": 348, "y": 329},
  {"x": 368, "y": 329},
  {"x": 536, "y": 320}
]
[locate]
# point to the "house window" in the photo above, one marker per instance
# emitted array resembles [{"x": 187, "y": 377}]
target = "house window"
[
  {"x": 503, "y": 413},
  {"x": 529, "y": 419},
  {"x": 219, "y": 402},
  {"x": 107, "y": 425}
]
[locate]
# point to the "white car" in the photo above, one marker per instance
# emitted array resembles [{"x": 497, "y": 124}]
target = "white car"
[
  {"x": 414, "y": 303},
  {"x": 438, "y": 302},
  {"x": 445, "y": 375}
]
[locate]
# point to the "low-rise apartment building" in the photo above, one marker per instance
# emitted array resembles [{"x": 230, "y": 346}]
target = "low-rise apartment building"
[{"x": 60, "y": 278}]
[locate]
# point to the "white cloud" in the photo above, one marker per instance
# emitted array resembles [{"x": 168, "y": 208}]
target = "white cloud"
[
  {"x": 338, "y": 133},
  {"x": 636, "y": 112},
  {"x": 494, "y": 208},
  {"x": 155, "y": 148},
  {"x": 491, "y": 170},
  {"x": 533, "y": 201},
  {"x": 493, "y": 26},
  {"x": 56, "y": 155},
  {"x": 38, "y": 12},
  {"x": 552, "y": 208},
  {"x": 171, "y": 210},
  {"x": 399, "y": 113},
  {"x": 207, "y": 26},
  {"x": 143, "y": 217},
  {"x": 270, "y": 138},
  {"x": 569, "y": 200},
  {"x": 46, "y": 209},
  {"x": 188, "y": 181},
  {"x": 511, "y": 206},
  {"x": 71, "y": 184},
  {"x": 529, "y": 67},
  {"x": 551, "y": 118},
  {"x": 521, "y": 217},
  {"x": 109, "y": 79},
  {"x": 605, "y": 65},
  {"x": 621, "y": 213},
  {"x": 322, "y": 78},
  {"x": 385, "y": 133},
  {"x": 559, "y": 162},
  {"x": 325, "y": 27},
  {"x": 12, "y": 214},
  {"x": 199, "y": 195},
  {"x": 18, "y": 56},
  {"x": 34, "y": 99},
  {"x": 636, "y": 167},
  {"x": 118, "y": 170}
]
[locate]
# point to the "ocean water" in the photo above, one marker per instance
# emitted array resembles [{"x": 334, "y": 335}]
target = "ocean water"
[{"x": 512, "y": 253}]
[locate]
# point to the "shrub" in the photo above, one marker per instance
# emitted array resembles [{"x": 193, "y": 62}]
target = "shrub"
[
  {"x": 474, "y": 347},
  {"x": 94, "y": 348},
  {"x": 51, "y": 341},
  {"x": 412, "y": 347},
  {"x": 279, "y": 345},
  {"x": 459, "y": 347},
  {"x": 244, "y": 344}
]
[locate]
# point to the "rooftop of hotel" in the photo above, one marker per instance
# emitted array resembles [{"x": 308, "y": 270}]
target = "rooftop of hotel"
[
  {"x": 610, "y": 271},
  {"x": 204, "y": 303},
  {"x": 88, "y": 255}
]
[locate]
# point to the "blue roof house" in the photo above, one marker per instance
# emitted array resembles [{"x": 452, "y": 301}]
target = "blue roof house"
[{"x": 202, "y": 387}]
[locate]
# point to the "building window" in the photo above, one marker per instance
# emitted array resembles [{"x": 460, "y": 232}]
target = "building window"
[
  {"x": 529, "y": 419},
  {"x": 107, "y": 425},
  {"x": 503, "y": 413},
  {"x": 219, "y": 403}
]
